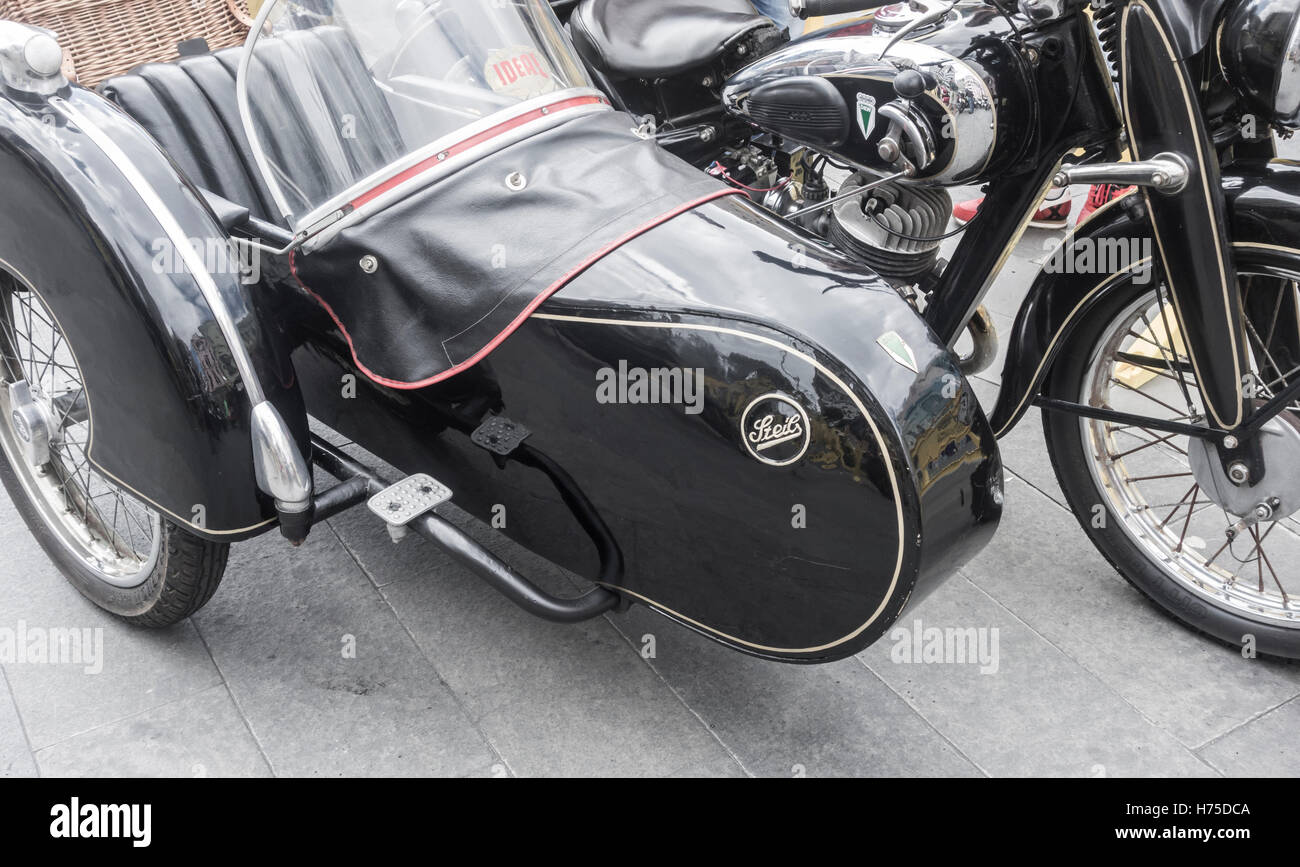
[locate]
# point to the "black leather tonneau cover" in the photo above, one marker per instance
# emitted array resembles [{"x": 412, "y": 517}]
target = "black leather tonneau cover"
[{"x": 462, "y": 263}]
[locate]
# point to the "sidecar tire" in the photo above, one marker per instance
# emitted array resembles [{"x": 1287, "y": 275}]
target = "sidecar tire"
[
  {"x": 1066, "y": 450},
  {"x": 187, "y": 573}
]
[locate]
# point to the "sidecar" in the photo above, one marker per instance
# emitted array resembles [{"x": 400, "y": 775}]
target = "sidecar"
[{"x": 419, "y": 225}]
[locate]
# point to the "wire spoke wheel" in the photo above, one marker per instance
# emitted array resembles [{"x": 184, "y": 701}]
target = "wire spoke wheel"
[
  {"x": 1171, "y": 506},
  {"x": 45, "y": 433}
]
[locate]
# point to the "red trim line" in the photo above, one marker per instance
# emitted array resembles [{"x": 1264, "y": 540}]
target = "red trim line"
[
  {"x": 521, "y": 318},
  {"x": 472, "y": 142}
]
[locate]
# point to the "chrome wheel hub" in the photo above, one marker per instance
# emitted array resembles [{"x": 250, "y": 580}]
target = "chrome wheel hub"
[
  {"x": 45, "y": 433},
  {"x": 1276, "y": 496},
  {"x": 31, "y": 424}
]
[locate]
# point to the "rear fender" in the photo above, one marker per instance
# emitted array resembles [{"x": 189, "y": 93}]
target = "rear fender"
[{"x": 171, "y": 415}]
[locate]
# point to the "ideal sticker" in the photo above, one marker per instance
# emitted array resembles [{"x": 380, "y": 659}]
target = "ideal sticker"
[{"x": 519, "y": 72}]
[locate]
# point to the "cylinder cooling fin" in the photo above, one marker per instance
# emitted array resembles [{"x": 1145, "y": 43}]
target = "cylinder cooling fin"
[{"x": 894, "y": 228}]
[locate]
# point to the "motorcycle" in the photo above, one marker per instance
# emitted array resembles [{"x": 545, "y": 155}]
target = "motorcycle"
[
  {"x": 1161, "y": 340},
  {"x": 422, "y": 226}
]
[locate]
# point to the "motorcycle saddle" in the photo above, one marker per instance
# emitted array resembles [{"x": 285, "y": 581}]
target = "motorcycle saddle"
[{"x": 635, "y": 39}]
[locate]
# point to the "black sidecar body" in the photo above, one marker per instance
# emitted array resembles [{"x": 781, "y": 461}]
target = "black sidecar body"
[{"x": 498, "y": 283}]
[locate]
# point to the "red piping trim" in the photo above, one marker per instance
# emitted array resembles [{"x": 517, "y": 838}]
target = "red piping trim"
[
  {"x": 472, "y": 142},
  {"x": 521, "y": 318}
]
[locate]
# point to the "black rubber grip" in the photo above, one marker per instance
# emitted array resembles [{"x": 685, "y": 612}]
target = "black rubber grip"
[{"x": 818, "y": 8}]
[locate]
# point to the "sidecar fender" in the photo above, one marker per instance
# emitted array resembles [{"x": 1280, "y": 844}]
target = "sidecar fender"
[
  {"x": 1264, "y": 209},
  {"x": 171, "y": 418}
]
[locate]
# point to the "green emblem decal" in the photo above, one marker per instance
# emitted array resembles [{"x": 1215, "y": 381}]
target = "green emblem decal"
[
  {"x": 898, "y": 350},
  {"x": 866, "y": 114}
]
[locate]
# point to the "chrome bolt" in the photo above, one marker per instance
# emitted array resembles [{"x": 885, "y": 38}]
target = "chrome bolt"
[
  {"x": 1239, "y": 473},
  {"x": 369, "y": 264},
  {"x": 1263, "y": 512},
  {"x": 1230, "y": 442},
  {"x": 43, "y": 55}
]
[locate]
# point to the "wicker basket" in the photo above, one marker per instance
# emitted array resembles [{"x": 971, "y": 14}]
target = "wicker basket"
[{"x": 104, "y": 38}]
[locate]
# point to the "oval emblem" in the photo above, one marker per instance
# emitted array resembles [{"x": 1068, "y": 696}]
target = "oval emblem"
[
  {"x": 21, "y": 428},
  {"x": 775, "y": 430}
]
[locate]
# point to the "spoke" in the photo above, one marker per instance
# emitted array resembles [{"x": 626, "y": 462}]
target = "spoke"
[
  {"x": 1210, "y": 562},
  {"x": 72, "y": 404},
  {"x": 1152, "y": 478},
  {"x": 1147, "y": 340},
  {"x": 1162, "y": 441},
  {"x": 1277, "y": 310},
  {"x": 1268, "y": 356},
  {"x": 1144, "y": 394},
  {"x": 1164, "y": 317},
  {"x": 1286, "y": 600},
  {"x": 1241, "y": 562},
  {"x": 1178, "y": 508},
  {"x": 1119, "y": 428},
  {"x": 1281, "y": 380},
  {"x": 1188, "y": 523},
  {"x": 1259, "y": 561}
]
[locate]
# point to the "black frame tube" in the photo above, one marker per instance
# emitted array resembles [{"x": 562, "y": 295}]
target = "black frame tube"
[{"x": 358, "y": 482}]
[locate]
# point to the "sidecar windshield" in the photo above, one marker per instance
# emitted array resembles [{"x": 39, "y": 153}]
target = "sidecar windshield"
[{"x": 345, "y": 100}]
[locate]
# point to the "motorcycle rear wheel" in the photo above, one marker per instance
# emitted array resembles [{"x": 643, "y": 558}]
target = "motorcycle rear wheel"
[
  {"x": 115, "y": 549},
  {"x": 1134, "y": 490}
]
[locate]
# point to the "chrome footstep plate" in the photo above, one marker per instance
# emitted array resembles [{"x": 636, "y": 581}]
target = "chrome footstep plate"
[{"x": 410, "y": 498}]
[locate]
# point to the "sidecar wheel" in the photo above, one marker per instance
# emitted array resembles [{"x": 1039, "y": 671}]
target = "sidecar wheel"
[
  {"x": 1141, "y": 498},
  {"x": 116, "y": 550}
]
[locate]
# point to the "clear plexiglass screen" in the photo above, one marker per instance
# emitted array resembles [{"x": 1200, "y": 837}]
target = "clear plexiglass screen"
[{"x": 338, "y": 90}]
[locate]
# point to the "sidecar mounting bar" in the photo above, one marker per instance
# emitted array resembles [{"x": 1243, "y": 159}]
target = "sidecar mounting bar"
[
  {"x": 1125, "y": 418},
  {"x": 357, "y": 483}
]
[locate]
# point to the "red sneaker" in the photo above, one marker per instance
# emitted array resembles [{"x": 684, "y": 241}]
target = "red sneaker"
[
  {"x": 964, "y": 212},
  {"x": 1050, "y": 216},
  {"x": 1101, "y": 195},
  {"x": 1055, "y": 216}
]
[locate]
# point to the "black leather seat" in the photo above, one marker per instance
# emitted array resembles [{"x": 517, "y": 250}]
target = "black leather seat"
[
  {"x": 190, "y": 107},
  {"x": 659, "y": 38}
]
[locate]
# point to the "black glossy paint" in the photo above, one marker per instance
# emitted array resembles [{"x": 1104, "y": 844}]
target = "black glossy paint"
[
  {"x": 1191, "y": 227},
  {"x": 705, "y": 527},
  {"x": 1190, "y": 23},
  {"x": 1264, "y": 214},
  {"x": 1070, "y": 106},
  {"x": 168, "y": 411}
]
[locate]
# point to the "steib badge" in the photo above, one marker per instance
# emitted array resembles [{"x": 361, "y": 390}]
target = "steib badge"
[
  {"x": 775, "y": 430},
  {"x": 519, "y": 72},
  {"x": 866, "y": 114}
]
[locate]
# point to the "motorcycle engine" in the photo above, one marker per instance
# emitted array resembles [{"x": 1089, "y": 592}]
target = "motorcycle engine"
[
  {"x": 893, "y": 227},
  {"x": 879, "y": 104}
]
